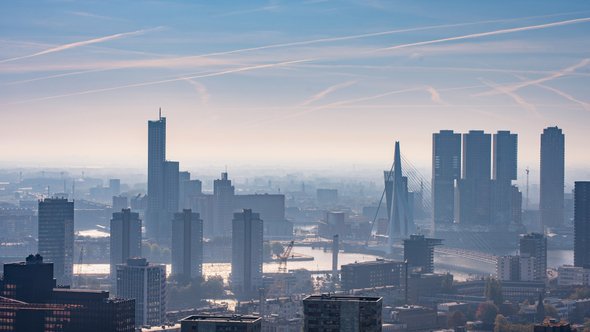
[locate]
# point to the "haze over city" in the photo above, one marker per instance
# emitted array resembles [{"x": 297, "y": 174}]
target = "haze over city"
[{"x": 288, "y": 166}]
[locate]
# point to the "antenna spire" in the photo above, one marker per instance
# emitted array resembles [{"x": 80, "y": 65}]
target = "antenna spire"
[{"x": 160, "y": 113}]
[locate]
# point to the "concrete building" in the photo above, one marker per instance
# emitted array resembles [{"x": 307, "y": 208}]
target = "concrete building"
[
  {"x": 371, "y": 274},
  {"x": 125, "y": 239},
  {"x": 446, "y": 169},
  {"x": 246, "y": 269},
  {"x": 215, "y": 323},
  {"x": 415, "y": 318},
  {"x": 146, "y": 284},
  {"x": 327, "y": 312},
  {"x": 223, "y": 206},
  {"x": 552, "y": 177},
  {"x": 475, "y": 184},
  {"x": 56, "y": 236},
  {"x": 582, "y": 224},
  {"x": 535, "y": 245},
  {"x": 187, "y": 245},
  {"x": 419, "y": 253},
  {"x": 569, "y": 275},
  {"x": 508, "y": 268}
]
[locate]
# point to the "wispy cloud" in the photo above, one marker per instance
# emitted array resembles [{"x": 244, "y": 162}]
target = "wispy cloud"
[
  {"x": 561, "y": 93},
  {"x": 201, "y": 90},
  {"x": 81, "y": 43},
  {"x": 327, "y": 91},
  {"x": 175, "y": 79},
  {"x": 486, "y": 34},
  {"x": 91, "y": 15},
  {"x": 435, "y": 95}
]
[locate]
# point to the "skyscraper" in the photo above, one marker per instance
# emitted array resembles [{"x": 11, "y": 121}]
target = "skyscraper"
[
  {"x": 552, "y": 176},
  {"x": 156, "y": 159},
  {"x": 223, "y": 193},
  {"x": 125, "y": 238},
  {"x": 327, "y": 312},
  {"x": 475, "y": 184},
  {"x": 534, "y": 245},
  {"x": 504, "y": 171},
  {"x": 446, "y": 168},
  {"x": 146, "y": 283},
  {"x": 187, "y": 245},
  {"x": 246, "y": 267},
  {"x": 171, "y": 199},
  {"x": 582, "y": 224},
  {"x": 56, "y": 236}
]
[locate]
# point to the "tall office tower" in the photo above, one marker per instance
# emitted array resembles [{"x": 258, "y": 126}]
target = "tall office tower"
[
  {"x": 534, "y": 245},
  {"x": 125, "y": 238},
  {"x": 475, "y": 184},
  {"x": 223, "y": 193},
  {"x": 246, "y": 267},
  {"x": 419, "y": 252},
  {"x": 156, "y": 159},
  {"x": 183, "y": 179},
  {"x": 330, "y": 312},
  {"x": 187, "y": 245},
  {"x": 171, "y": 199},
  {"x": 241, "y": 323},
  {"x": 552, "y": 176},
  {"x": 446, "y": 168},
  {"x": 146, "y": 283},
  {"x": 582, "y": 224},
  {"x": 504, "y": 171},
  {"x": 115, "y": 186},
  {"x": 56, "y": 236}
]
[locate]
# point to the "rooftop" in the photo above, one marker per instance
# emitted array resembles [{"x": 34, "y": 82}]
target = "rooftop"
[
  {"x": 336, "y": 297},
  {"x": 222, "y": 318}
]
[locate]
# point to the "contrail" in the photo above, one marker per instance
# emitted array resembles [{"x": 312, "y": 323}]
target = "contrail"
[
  {"x": 517, "y": 98},
  {"x": 81, "y": 43},
  {"x": 309, "y": 42},
  {"x": 182, "y": 78},
  {"x": 585, "y": 105},
  {"x": 563, "y": 72},
  {"x": 485, "y": 34},
  {"x": 327, "y": 91}
]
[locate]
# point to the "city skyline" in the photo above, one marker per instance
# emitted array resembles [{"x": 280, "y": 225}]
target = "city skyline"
[{"x": 268, "y": 78}]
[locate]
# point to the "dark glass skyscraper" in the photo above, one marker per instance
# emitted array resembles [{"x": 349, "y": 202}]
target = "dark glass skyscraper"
[
  {"x": 475, "y": 184},
  {"x": 552, "y": 176},
  {"x": 223, "y": 193},
  {"x": 56, "y": 236},
  {"x": 582, "y": 224},
  {"x": 446, "y": 168}
]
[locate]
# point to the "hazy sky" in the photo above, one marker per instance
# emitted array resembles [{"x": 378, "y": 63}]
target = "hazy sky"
[{"x": 287, "y": 82}]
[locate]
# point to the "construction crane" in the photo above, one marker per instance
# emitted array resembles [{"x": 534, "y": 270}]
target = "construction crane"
[{"x": 283, "y": 257}]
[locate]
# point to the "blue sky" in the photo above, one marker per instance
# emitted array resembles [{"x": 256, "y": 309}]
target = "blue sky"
[{"x": 287, "y": 82}]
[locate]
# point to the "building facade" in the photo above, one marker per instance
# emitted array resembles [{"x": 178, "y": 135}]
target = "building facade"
[
  {"x": 327, "y": 312},
  {"x": 56, "y": 236},
  {"x": 582, "y": 224},
  {"x": 125, "y": 239},
  {"x": 534, "y": 245},
  {"x": 214, "y": 323},
  {"x": 246, "y": 269},
  {"x": 146, "y": 284},
  {"x": 446, "y": 169},
  {"x": 371, "y": 274},
  {"x": 187, "y": 245}
]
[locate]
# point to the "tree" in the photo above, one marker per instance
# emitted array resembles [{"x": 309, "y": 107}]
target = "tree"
[
  {"x": 277, "y": 248},
  {"x": 580, "y": 293},
  {"x": 487, "y": 312},
  {"x": 551, "y": 311},
  {"x": 501, "y": 324},
  {"x": 493, "y": 291},
  {"x": 457, "y": 318}
]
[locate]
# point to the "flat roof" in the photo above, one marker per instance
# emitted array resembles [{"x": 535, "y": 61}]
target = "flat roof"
[
  {"x": 336, "y": 297},
  {"x": 222, "y": 318},
  {"x": 378, "y": 261}
]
